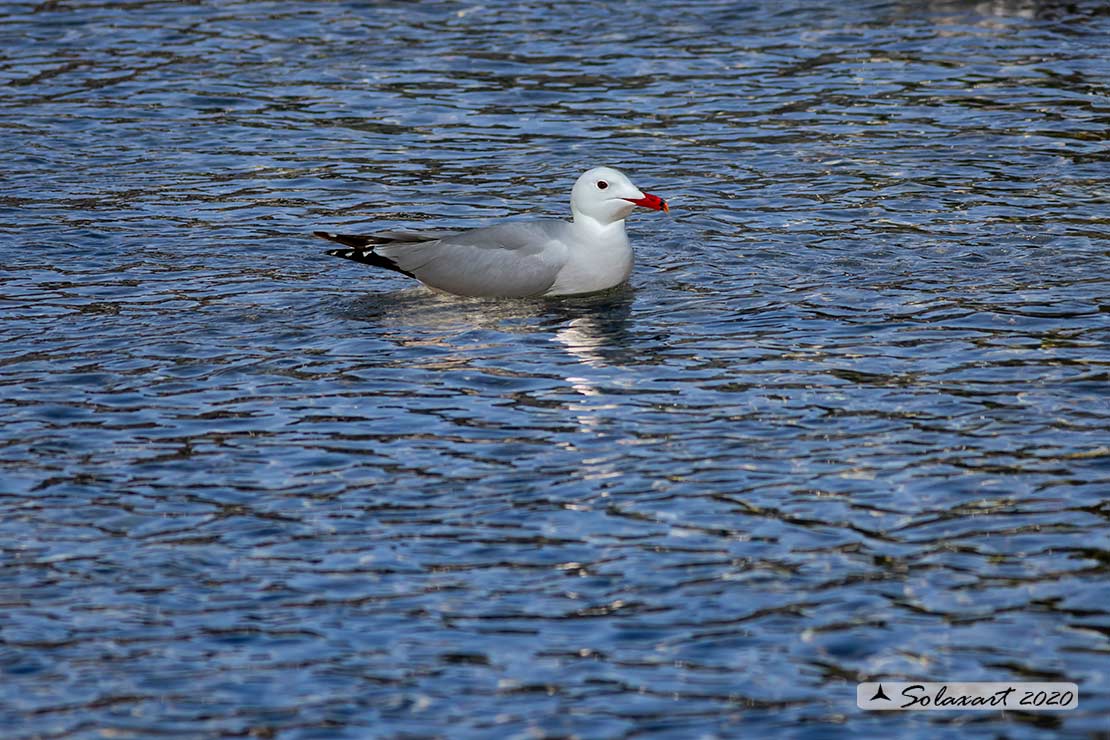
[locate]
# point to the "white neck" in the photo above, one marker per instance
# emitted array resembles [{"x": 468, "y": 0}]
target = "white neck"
[{"x": 596, "y": 229}]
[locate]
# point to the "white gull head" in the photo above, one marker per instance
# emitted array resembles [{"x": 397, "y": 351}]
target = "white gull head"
[{"x": 605, "y": 196}]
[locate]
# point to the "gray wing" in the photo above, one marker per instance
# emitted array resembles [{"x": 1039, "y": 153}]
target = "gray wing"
[{"x": 507, "y": 260}]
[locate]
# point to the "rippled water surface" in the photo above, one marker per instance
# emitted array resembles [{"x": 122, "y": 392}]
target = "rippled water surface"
[{"x": 848, "y": 421}]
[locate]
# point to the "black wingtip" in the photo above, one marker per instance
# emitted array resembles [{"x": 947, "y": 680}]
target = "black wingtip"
[
  {"x": 356, "y": 241},
  {"x": 368, "y": 257}
]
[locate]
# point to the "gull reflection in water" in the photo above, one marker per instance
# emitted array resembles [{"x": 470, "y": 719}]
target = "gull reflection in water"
[
  {"x": 592, "y": 328},
  {"x": 593, "y": 331},
  {"x": 582, "y": 339}
]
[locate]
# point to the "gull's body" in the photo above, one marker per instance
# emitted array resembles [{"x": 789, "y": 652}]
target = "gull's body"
[{"x": 523, "y": 258}]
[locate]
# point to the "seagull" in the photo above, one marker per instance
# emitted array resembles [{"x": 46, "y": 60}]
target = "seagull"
[{"x": 521, "y": 258}]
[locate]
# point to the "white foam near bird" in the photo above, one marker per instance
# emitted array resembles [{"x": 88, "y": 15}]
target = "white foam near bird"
[{"x": 520, "y": 258}]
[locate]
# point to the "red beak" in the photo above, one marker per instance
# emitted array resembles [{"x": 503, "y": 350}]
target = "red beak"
[{"x": 654, "y": 202}]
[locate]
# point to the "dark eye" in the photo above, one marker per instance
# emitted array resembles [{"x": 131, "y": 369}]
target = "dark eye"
[{"x": 601, "y": 184}]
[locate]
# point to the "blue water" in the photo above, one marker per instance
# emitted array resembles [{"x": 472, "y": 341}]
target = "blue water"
[{"x": 848, "y": 421}]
